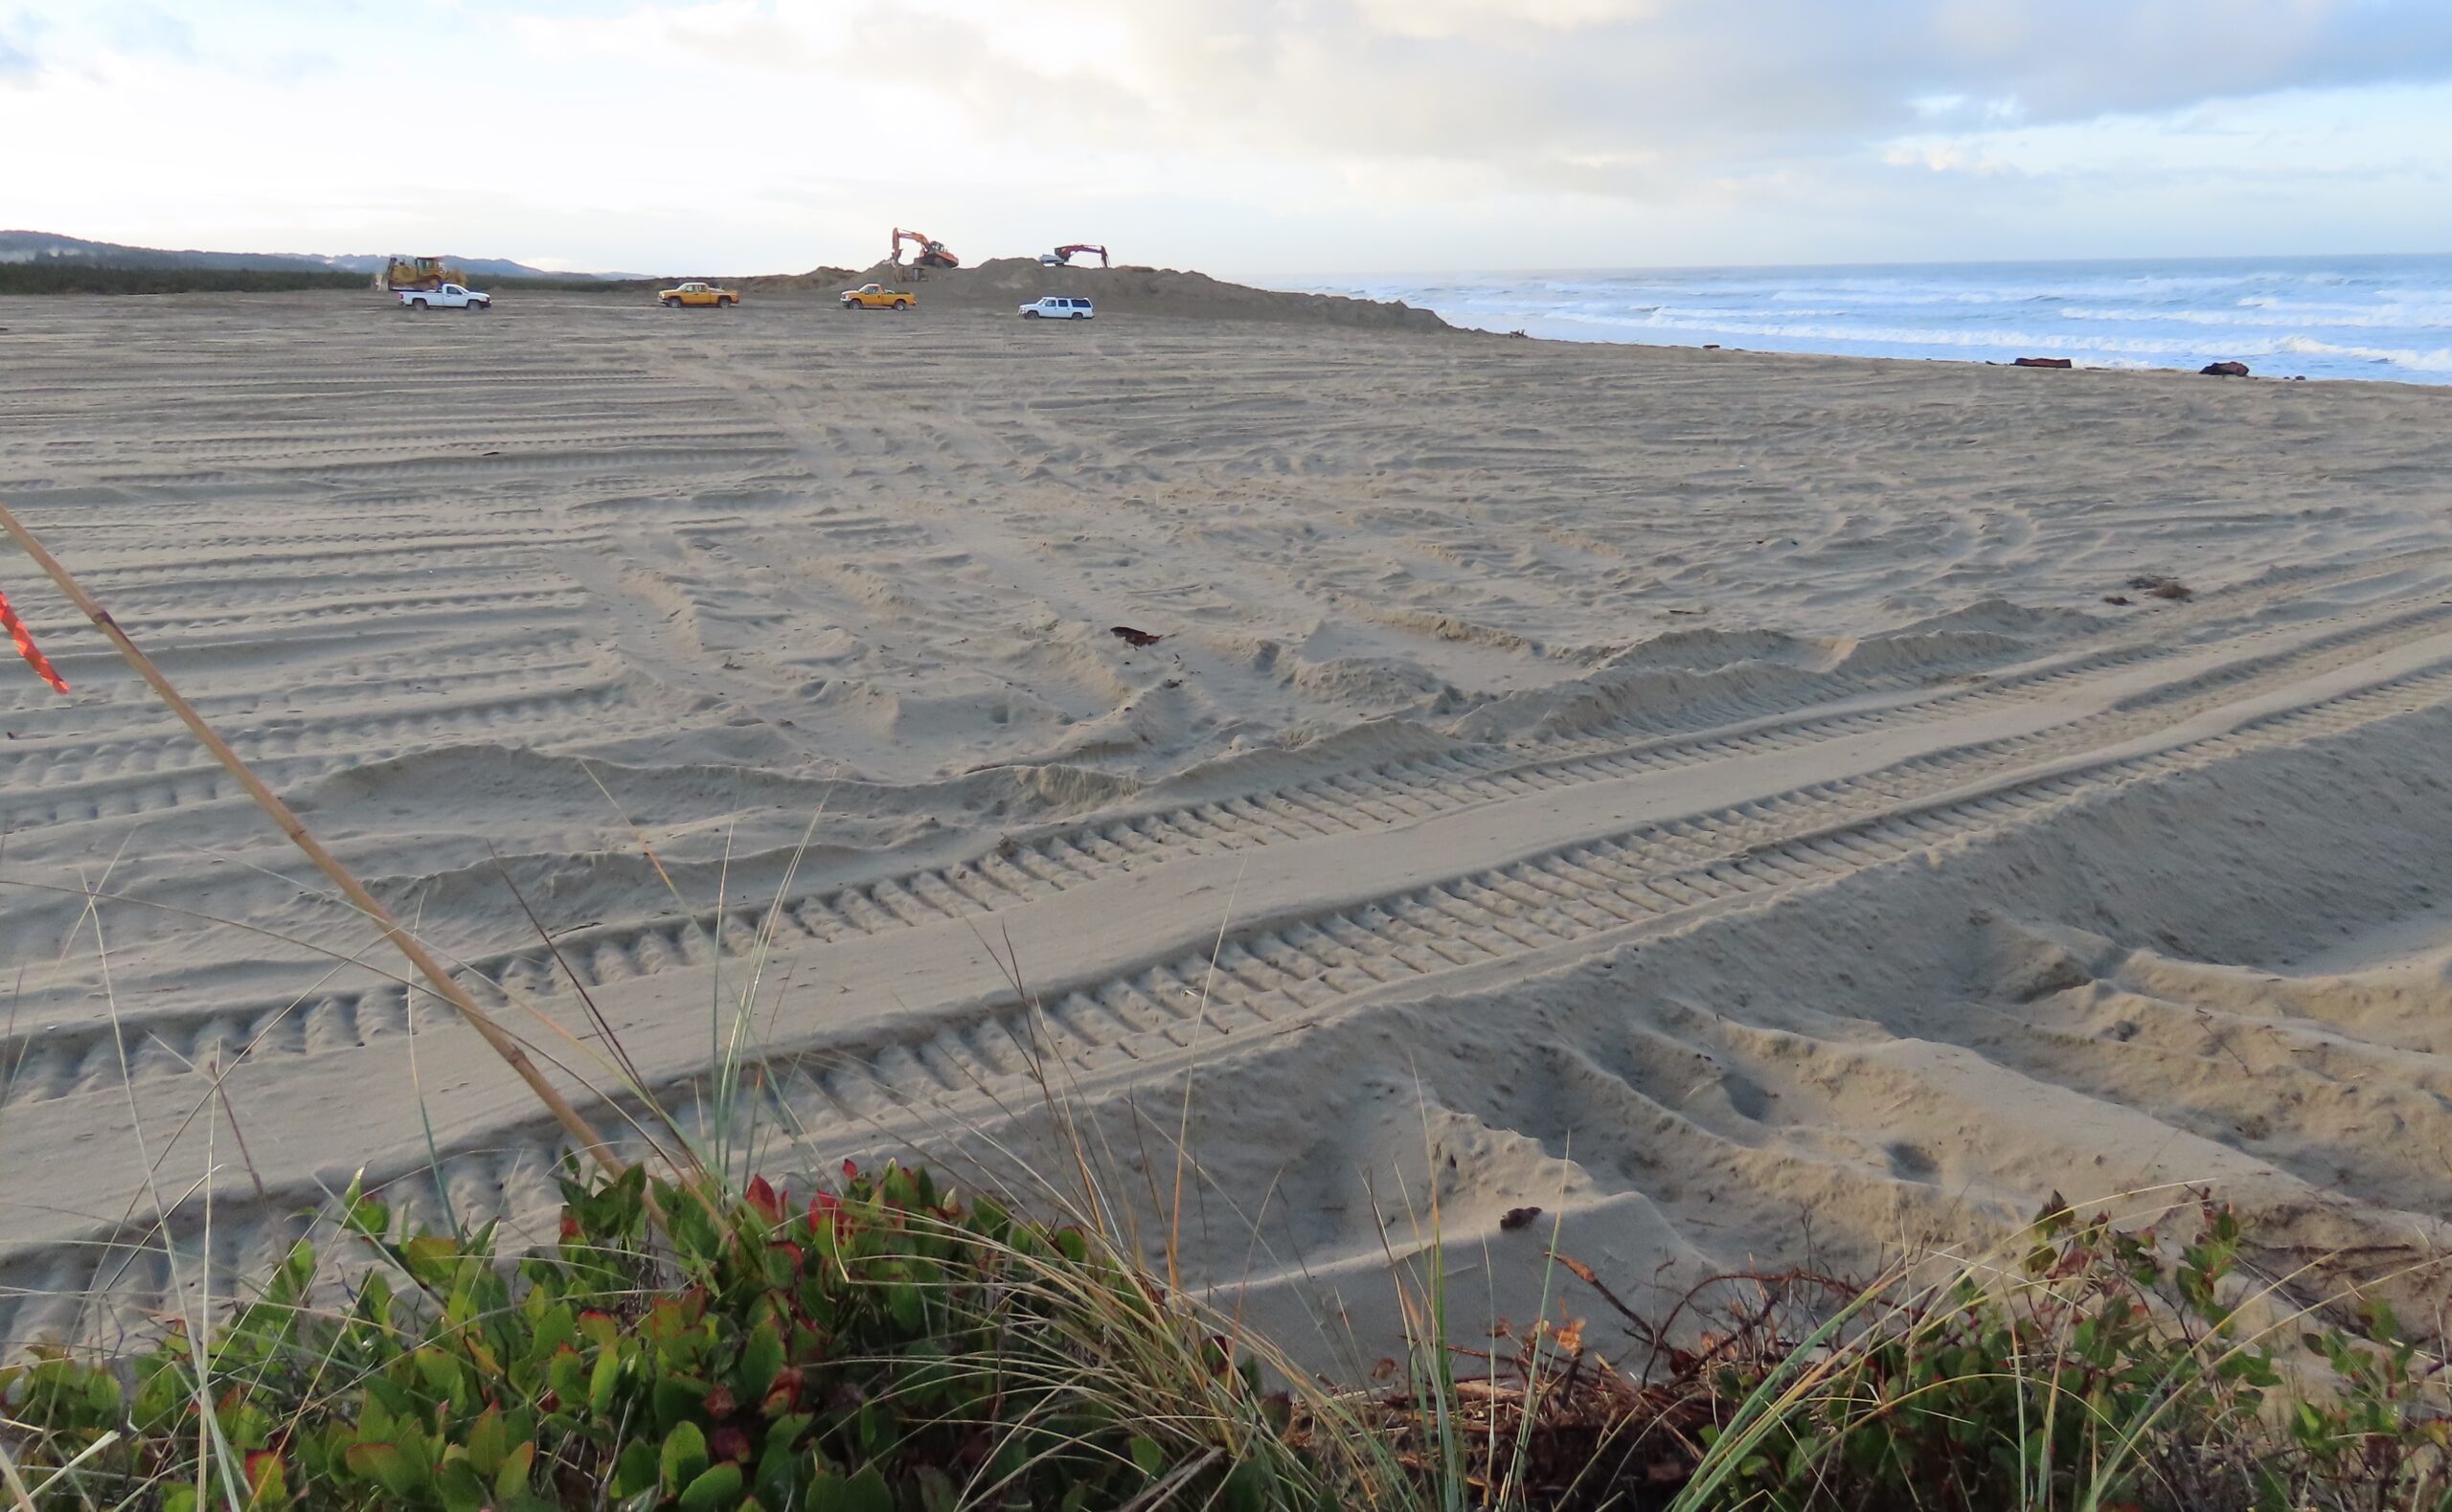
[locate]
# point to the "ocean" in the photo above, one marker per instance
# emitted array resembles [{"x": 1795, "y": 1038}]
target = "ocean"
[{"x": 2336, "y": 317}]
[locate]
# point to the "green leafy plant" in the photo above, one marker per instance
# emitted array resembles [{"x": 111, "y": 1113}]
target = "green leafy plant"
[
  {"x": 2111, "y": 1368},
  {"x": 888, "y": 1346}
]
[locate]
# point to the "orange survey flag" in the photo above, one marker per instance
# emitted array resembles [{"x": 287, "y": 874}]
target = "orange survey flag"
[{"x": 35, "y": 659}]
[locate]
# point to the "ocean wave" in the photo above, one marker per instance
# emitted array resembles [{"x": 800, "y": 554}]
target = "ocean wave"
[
  {"x": 2439, "y": 360},
  {"x": 2356, "y": 317},
  {"x": 1988, "y": 338},
  {"x": 2269, "y": 316}
]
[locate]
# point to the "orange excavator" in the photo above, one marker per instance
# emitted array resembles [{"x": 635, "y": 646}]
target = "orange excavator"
[
  {"x": 932, "y": 253},
  {"x": 1062, "y": 257}
]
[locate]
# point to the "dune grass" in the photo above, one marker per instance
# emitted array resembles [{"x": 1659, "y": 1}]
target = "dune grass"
[
  {"x": 888, "y": 1344},
  {"x": 698, "y": 1336}
]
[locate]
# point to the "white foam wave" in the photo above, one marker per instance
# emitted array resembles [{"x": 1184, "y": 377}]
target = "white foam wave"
[
  {"x": 2439, "y": 360},
  {"x": 2357, "y": 317},
  {"x": 2282, "y": 314}
]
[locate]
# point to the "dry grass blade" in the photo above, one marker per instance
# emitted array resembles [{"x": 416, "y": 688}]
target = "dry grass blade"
[{"x": 500, "y": 1039}]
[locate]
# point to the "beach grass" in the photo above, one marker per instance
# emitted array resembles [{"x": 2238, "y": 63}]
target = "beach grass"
[
  {"x": 700, "y": 1336},
  {"x": 891, "y": 1343}
]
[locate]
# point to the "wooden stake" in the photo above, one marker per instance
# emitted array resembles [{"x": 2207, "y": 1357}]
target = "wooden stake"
[{"x": 494, "y": 1034}]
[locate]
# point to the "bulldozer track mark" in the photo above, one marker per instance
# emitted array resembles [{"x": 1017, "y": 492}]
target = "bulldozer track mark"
[
  {"x": 1151, "y": 1017},
  {"x": 1392, "y": 793},
  {"x": 140, "y": 778},
  {"x": 1573, "y": 895}
]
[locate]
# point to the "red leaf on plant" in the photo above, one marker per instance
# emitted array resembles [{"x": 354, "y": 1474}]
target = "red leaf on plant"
[{"x": 761, "y": 1196}]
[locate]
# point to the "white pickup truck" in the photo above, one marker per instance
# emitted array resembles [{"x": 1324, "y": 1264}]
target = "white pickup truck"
[{"x": 451, "y": 296}]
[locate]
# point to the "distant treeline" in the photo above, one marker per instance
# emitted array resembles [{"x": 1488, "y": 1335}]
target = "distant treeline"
[
  {"x": 65, "y": 277},
  {"x": 569, "y": 285},
  {"x": 84, "y": 278}
]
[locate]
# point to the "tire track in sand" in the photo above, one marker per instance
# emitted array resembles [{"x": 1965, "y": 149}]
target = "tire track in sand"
[
  {"x": 65, "y": 1062},
  {"x": 1278, "y": 974}
]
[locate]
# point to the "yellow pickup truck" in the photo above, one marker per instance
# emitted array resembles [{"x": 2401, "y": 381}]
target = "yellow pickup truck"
[
  {"x": 877, "y": 296},
  {"x": 696, "y": 293}
]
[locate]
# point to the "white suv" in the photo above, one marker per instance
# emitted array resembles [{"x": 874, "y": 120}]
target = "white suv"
[{"x": 1058, "y": 307}]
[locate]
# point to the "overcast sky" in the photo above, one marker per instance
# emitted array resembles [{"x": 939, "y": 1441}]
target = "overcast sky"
[{"x": 1245, "y": 137}]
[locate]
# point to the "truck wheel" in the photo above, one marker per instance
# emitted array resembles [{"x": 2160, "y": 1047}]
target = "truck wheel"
[
  {"x": 902, "y": 304},
  {"x": 1029, "y": 314},
  {"x": 671, "y": 303}
]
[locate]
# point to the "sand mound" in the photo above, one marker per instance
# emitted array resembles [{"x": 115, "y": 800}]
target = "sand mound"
[
  {"x": 1001, "y": 283},
  {"x": 816, "y": 281}
]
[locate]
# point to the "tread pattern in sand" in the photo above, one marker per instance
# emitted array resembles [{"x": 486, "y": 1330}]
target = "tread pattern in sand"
[{"x": 1475, "y": 673}]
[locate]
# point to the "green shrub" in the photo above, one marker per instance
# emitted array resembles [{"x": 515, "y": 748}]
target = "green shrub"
[
  {"x": 2113, "y": 1369},
  {"x": 889, "y": 1347}
]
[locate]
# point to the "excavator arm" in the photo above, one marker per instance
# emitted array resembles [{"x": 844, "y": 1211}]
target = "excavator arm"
[
  {"x": 932, "y": 253},
  {"x": 1064, "y": 255}
]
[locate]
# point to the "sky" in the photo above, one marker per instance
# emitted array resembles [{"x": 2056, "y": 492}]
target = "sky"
[{"x": 1249, "y": 138}]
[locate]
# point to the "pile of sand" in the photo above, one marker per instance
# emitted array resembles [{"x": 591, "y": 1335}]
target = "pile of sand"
[
  {"x": 1001, "y": 283},
  {"x": 816, "y": 281}
]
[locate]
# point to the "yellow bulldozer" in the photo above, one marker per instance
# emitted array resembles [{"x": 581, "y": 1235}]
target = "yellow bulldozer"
[{"x": 419, "y": 273}]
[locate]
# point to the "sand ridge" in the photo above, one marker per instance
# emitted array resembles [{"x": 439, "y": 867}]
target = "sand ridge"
[
  {"x": 1001, "y": 284},
  {"x": 1537, "y": 739}
]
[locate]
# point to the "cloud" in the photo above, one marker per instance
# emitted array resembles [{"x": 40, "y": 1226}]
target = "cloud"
[
  {"x": 1627, "y": 97},
  {"x": 1718, "y": 82},
  {"x": 1943, "y": 155},
  {"x": 1303, "y": 133}
]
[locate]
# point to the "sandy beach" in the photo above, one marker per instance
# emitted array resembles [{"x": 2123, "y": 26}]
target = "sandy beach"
[{"x": 1705, "y": 794}]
